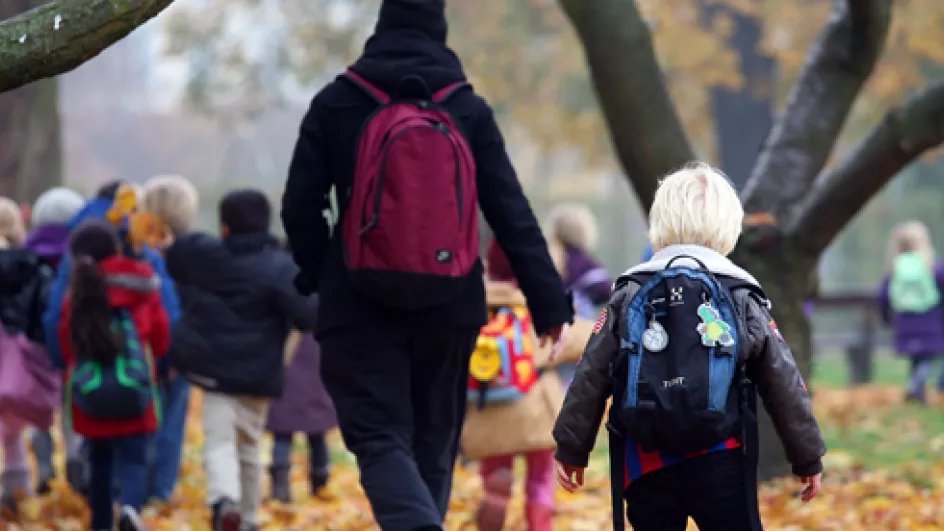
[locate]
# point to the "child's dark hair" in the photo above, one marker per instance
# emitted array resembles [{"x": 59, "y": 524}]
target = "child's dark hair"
[
  {"x": 109, "y": 189},
  {"x": 90, "y": 317},
  {"x": 246, "y": 211}
]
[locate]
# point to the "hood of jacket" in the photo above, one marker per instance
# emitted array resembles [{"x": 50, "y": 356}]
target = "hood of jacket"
[
  {"x": 18, "y": 267},
  {"x": 49, "y": 242},
  {"x": 130, "y": 282},
  {"x": 713, "y": 260},
  {"x": 498, "y": 293},
  {"x": 95, "y": 208},
  {"x": 409, "y": 39}
]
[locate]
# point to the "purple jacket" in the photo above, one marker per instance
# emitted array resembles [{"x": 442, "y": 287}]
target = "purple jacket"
[
  {"x": 916, "y": 334},
  {"x": 49, "y": 242},
  {"x": 304, "y": 406},
  {"x": 588, "y": 280}
]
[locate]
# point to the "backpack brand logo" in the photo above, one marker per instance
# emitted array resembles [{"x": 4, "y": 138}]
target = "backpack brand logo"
[
  {"x": 443, "y": 256},
  {"x": 674, "y": 382},
  {"x": 675, "y": 296}
]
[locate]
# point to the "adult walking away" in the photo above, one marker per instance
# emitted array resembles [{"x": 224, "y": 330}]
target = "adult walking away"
[{"x": 396, "y": 348}]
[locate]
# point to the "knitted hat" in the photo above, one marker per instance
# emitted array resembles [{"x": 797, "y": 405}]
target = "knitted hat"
[{"x": 56, "y": 206}]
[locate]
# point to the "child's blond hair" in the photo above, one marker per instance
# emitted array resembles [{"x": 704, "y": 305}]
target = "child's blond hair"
[
  {"x": 696, "y": 205},
  {"x": 911, "y": 237},
  {"x": 12, "y": 228},
  {"x": 174, "y": 199}
]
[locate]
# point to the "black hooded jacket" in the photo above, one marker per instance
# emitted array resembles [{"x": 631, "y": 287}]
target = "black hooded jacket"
[
  {"x": 24, "y": 286},
  {"x": 409, "y": 39}
]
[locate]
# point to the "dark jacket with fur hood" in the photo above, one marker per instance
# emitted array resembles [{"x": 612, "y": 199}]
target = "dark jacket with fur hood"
[{"x": 770, "y": 365}]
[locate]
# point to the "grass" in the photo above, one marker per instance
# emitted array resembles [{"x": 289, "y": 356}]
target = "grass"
[{"x": 870, "y": 426}]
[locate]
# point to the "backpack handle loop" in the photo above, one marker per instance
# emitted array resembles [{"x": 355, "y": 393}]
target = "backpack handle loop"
[{"x": 692, "y": 258}]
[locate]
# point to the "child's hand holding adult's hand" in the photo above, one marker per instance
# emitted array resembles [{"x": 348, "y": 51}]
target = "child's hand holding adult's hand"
[
  {"x": 559, "y": 345},
  {"x": 569, "y": 477},
  {"x": 814, "y": 484}
]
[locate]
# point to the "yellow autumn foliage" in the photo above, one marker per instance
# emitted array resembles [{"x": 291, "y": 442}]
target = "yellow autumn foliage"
[{"x": 853, "y": 499}]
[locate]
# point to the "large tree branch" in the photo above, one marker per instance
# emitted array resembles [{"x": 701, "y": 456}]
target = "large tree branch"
[
  {"x": 643, "y": 124},
  {"x": 803, "y": 137},
  {"x": 838, "y": 194},
  {"x": 62, "y": 34}
]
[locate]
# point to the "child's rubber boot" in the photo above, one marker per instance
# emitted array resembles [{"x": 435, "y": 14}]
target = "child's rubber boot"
[
  {"x": 130, "y": 520},
  {"x": 490, "y": 515},
  {"x": 320, "y": 490},
  {"x": 281, "y": 489},
  {"x": 226, "y": 516},
  {"x": 75, "y": 476},
  {"x": 540, "y": 517}
]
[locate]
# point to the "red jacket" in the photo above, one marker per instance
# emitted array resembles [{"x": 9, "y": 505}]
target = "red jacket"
[{"x": 134, "y": 286}]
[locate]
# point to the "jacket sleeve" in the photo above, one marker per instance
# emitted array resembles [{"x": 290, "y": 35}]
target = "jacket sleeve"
[
  {"x": 772, "y": 368},
  {"x": 169, "y": 298},
  {"x": 301, "y": 310},
  {"x": 160, "y": 331},
  {"x": 509, "y": 215},
  {"x": 579, "y": 420},
  {"x": 52, "y": 316},
  {"x": 305, "y": 200}
]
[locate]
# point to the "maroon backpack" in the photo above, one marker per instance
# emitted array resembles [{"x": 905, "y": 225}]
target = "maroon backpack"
[{"x": 410, "y": 230}]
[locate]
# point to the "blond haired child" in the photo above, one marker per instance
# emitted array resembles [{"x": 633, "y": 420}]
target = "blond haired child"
[{"x": 676, "y": 348}]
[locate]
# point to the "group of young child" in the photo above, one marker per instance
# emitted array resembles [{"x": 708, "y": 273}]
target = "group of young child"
[
  {"x": 670, "y": 333},
  {"x": 127, "y": 298}
]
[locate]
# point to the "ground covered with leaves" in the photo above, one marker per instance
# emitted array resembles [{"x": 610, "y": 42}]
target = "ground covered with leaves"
[{"x": 885, "y": 472}]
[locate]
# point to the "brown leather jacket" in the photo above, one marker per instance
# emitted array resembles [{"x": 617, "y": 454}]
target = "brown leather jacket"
[{"x": 770, "y": 365}]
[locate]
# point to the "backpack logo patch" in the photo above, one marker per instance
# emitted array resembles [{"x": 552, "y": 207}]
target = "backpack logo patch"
[
  {"x": 443, "y": 256},
  {"x": 714, "y": 331}
]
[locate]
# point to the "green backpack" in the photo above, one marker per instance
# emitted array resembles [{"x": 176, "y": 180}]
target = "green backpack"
[{"x": 913, "y": 288}]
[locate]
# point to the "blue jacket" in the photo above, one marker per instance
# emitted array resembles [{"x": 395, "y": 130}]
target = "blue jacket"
[{"x": 97, "y": 208}]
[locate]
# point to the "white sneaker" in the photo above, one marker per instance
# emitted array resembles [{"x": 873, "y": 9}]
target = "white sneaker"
[{"x": 130, "y": 520}]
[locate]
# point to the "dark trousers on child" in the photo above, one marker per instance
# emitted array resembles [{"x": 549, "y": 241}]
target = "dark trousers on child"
[
  {"x": 318, "y": 456},
  {"x": 123, "y": 459},
  {"x": 709, "y": 488},
  {"x": 400, "y": 396}
]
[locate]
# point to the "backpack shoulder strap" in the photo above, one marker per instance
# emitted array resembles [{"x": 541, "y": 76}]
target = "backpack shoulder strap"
[
  {"x": 367, "y": 87},
  {"x": 444, "y": 94}
]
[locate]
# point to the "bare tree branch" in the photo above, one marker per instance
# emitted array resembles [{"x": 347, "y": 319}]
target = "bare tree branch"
[
  {"x": 62, "y": 34},
  {"x": 904, "y": 134},
  {"x": 644, "y": 127},
  {"x": 804, "y": 135}
]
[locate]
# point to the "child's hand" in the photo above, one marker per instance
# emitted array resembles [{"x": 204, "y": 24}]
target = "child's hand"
[
  {"x": 569, "y": 477},
  {"x": 559, "y": 345},
  {"x": 814, "y": 484}
]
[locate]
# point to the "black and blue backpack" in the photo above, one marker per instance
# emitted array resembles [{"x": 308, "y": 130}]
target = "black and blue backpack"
[
  {"x": 120, "y": 390},
  {"x": 678, "y": 386}
]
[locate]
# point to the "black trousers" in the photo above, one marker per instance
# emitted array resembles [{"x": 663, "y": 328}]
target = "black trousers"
[
  {"x": 400, "y": 396},
  {"x": 709, "y": 488}
]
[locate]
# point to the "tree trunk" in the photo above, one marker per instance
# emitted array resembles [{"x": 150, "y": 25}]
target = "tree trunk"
[
  {"x": 30, "y": 139},
  {"x": 785, "y": 272},
  {"x": 743, "y": 118}
]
